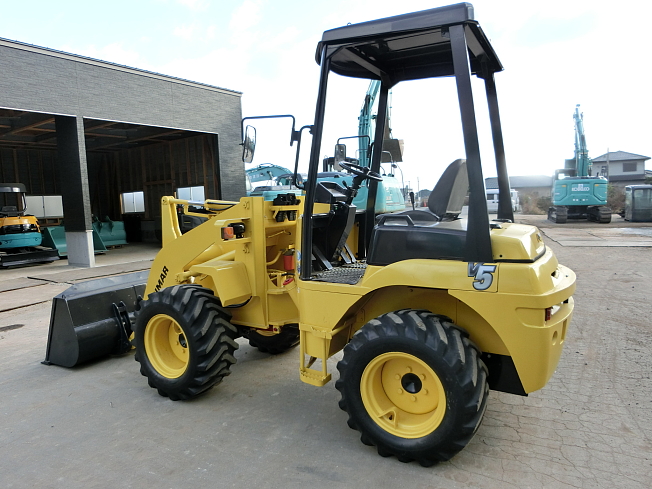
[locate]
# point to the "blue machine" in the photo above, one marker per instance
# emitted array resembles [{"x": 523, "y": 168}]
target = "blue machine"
[
  {"x": 390, "y": 194},
  {"x": 575, "y": 193},
  {"x": 389, "y": 197},
  {"x": 20, "y": 233}
]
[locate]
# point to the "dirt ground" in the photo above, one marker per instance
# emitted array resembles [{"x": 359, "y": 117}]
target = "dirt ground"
[{"x": 100, "y": 425}]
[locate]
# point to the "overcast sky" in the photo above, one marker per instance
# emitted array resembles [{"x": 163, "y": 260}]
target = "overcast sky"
[{"x": 556, "y": 54}]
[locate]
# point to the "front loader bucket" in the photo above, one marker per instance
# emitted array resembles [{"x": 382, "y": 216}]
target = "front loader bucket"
[
  {"x": 92, "y": 319},
  {"x": 55, "y": 237}
]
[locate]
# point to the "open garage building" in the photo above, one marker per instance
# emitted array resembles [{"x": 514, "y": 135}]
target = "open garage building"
[{"x": 102, "y": 141}]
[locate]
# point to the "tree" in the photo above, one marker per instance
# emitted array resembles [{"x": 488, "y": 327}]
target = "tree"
[{"x": 615, "y": 198}]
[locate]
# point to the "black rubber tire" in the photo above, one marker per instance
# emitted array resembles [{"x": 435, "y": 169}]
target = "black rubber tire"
[
  {"x": 447, "y": 350},
  {"x": 287, "y": 338},
  {"x": 209, "y": 338}
]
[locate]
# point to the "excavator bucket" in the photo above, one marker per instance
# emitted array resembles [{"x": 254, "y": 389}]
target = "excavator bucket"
[
  {"x": 112, "y": 233},
  {"x": 92, "y": 319},
  {"x": 55, "y": 237}
]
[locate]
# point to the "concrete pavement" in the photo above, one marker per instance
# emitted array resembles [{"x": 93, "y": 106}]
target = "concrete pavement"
[{"x": 100, "y": 425}]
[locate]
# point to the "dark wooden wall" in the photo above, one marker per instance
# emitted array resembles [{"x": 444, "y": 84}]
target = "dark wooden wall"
[{"x": 157, "y": 169}]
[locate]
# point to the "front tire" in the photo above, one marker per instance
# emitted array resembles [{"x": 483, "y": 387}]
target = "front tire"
[
  {"x": 413, "y": 385},
  {"x": 184, "y": 341}
]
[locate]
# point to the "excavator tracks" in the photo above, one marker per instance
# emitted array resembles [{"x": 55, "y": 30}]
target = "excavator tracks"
[
  {"x": 599, "y": 213},
  {"x": 558, "y": 214}
]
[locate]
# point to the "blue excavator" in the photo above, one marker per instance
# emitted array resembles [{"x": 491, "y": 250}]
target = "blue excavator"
[
  {"x": 20, "y": 233},
  {"x": 575, "y": 193},
  {"x": 268, "y": 173},
  {"x": 391, "y": 196},
  {"x": 277, "y": 179}
]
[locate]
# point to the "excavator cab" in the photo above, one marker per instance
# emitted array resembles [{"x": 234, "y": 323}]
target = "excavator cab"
[
  {"x": 20, "y": 233},
  {"x": 17, "y": 229}
]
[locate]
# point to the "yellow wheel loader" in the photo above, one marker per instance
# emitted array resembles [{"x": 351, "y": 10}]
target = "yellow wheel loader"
[{"x": 431, "y": 310}]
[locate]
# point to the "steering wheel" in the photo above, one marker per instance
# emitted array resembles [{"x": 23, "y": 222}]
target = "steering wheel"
[{"x": 361, "y": 171}]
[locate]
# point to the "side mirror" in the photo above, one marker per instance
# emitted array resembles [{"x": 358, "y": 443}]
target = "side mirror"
[
  {"x": 339, "y": 156},
  {"x": 249, "y": 144}
]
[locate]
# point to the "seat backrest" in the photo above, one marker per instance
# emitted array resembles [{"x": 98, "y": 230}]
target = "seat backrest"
[
  {"x": 10, "y": 211},
  {"x": 447, "y": 198}
]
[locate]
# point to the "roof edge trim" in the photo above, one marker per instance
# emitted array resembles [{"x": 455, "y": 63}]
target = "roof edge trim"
[{"x": 114, "y": 66}]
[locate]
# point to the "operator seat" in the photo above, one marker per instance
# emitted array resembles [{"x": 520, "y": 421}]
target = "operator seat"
[
  {"x": 447, "y": 198},
  {"x": 10, "y": 211},
  {"x": 432, "y": 233}
]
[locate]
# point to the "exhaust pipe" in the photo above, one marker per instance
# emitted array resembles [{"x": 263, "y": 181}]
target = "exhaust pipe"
[{"x": 92, "y": 319}]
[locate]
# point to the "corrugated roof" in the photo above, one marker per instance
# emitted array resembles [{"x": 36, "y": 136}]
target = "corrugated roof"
[
  {"x": 619, "y": 156},
  {"x": 522, "y": 181},
  {"x": 627, "y": 178}
]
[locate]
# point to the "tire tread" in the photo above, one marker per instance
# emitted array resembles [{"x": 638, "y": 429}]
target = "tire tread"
[
  {"x": 444, "y": 340},
  {"x": 208, "y": 328}
]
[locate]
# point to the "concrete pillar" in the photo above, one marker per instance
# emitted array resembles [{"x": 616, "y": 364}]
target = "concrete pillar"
[
  {"x": 73, "y": 182},
  {"x": 80, "y": 248}
]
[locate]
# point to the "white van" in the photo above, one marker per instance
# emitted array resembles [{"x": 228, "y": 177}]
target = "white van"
[{"x": 492, "y": 200}]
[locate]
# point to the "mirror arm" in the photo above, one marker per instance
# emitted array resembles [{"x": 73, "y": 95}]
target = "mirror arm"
[{"x": 296, "y": 136}]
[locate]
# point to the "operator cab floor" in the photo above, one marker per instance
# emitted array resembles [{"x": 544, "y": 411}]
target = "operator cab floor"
[{"x": 346, "y": 274}]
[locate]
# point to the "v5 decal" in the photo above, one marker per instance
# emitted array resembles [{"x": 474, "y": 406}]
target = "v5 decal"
[{"x": 482, "y": 275}]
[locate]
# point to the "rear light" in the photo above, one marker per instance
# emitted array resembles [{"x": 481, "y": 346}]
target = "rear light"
[
  {"x": 228, "y": 233},
  {"x": 548, "y": 313}
]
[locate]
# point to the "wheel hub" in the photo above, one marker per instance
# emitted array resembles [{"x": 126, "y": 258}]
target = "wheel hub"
[
  {"x": 166, "y": 346},
  {"x": 403, "y": 394},
  {"x": 411, "y": 383}
]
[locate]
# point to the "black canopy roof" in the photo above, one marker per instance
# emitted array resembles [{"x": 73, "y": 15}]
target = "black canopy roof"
[
  {"x": 407, "y": 47},
  {"x": 6, "y": 188}
]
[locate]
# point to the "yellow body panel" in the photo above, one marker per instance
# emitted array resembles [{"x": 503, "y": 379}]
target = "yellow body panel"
[
  {"x": 502, "y": 305},
  {"x": 19, "y": 221},
  {"x": 230, "y": 280}
]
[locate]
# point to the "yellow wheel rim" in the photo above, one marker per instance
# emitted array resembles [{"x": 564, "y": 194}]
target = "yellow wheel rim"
[
  {"x": 166, "y": 346},
  {"x": 403, "y": 395}
]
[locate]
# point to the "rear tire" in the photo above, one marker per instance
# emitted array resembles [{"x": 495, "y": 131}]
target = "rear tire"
[
  {"x": 274, "y": 343},
  {"x": 184, "y": 341},
  {"x": 413, "y": 385}
]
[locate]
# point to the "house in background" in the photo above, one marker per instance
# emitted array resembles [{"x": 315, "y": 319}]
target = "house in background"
[
  {"x": 533, "y": 185},
  {"x": 621, "y": 168}
]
